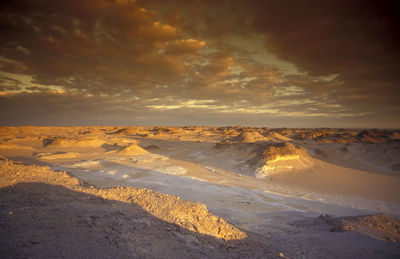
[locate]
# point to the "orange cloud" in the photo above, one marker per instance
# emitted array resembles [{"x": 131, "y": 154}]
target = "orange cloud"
[{"x": 184, "y": 46}]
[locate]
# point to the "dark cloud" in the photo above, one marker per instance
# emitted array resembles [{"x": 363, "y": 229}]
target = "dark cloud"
[
  {"x": 197, "y": 61},
  {"x": 9, "y": 84},
  {"x": 355, "y": 40},
  {"x": 329, "y": 37},
  {"x": 95, "y": 45}
]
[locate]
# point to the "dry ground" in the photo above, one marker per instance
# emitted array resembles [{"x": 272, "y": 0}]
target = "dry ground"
[{"x": 271, "y": 185}]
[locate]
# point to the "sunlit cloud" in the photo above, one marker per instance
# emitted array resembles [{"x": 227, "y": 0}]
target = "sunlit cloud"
[{"x": 171, "y": 61}]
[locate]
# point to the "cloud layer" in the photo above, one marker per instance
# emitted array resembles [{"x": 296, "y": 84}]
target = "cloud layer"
[{"x": 263, "y": 63}]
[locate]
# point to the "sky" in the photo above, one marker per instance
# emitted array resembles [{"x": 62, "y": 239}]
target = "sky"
[{"x": 200, "y": 62}]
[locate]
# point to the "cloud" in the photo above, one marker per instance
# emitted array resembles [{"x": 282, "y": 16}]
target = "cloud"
[
  {"x": 94, "y": 45},
  {"x": 184, "y": 46},
  {"x": 262, "y": 59},
  {"x": 9, "y": 84},
  {"x": 330, "y": 37},
  {"x": 354, "y": 41}
]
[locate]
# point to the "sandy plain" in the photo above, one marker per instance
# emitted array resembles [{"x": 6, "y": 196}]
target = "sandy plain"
[{"x": 250, "y": 192}]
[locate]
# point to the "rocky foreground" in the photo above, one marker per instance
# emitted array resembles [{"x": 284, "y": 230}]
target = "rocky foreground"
[{"x": 47, "y": 214}]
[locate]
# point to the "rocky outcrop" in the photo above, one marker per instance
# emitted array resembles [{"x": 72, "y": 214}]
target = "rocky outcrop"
[
  {"x": 133, "y": 149},
  {"x": 277, "y": 158}
]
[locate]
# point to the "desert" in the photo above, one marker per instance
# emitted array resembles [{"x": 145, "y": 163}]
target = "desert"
[
  {"x": 199, "y": 129},
  {"x": 202, "y": 192}
]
